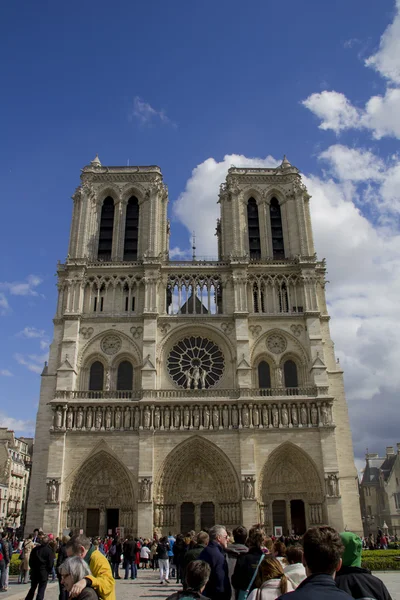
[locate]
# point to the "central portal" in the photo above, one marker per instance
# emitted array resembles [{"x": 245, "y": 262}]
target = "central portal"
[
  {"x": 112, "y": 520},
  {"x": 188, "y": 520}
]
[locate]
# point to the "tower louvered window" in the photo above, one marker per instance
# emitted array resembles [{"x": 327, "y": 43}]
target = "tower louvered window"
[
  {"x": 106, "y": 230},
  {"x": 131, "y": 229},
  {"x": 254, "y": 229},
  {"x": 278, "y": 248}
]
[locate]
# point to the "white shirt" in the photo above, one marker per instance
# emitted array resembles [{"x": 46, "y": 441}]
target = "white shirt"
[
  {"x": 144, "y": 552},
  {"x": 270, "y": 590},
  {"x": 296, "y": 572}
]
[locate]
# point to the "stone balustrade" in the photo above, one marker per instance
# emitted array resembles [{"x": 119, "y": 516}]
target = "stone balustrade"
[{"x": 133, "y": 417}]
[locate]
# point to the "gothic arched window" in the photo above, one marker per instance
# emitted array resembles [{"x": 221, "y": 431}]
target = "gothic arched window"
[
  {"x": 106, "y": 230},
  {"x": 131, "y": 229},
  {"x": 264, "y": 375},
  {"x": 253, "y": 229},
  {"x": 290, "y": 374},
  {"x": 283, "y": 298},
  {"x": 278, "y": 249},
  {"x": 96, "y": 378},
  {"x": 125, "y": 376}
]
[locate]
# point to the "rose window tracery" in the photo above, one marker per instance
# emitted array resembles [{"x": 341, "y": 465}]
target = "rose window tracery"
[{"x": 195, "y": 363}]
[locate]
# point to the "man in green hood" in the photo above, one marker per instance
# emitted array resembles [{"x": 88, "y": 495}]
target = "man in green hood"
[{"x": 352, "y": 578}]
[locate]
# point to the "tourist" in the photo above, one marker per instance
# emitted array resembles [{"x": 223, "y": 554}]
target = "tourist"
[
  {"x": 163, "y": 559},
  {"x": 180, "y": 548},
  {"x": 235, "y": 549},
  {"x": 73, "y": 570},
  {"x": 356, "y": 581},
  {"x": 144, "y": 555},
  {"x": 129, "y": 550},
  {"x": 101, "y": 579},
  {"x": 322, "y": 558},
  {"x": 153, "y": 555},
  {"x": 194, "y": 552},
  {"x": 4, "y": 562},
  {"x": 27, "y": 547},
  {"x": 54, "y": 546},
  {"x": 279, "y": 551},
  {"x": 295, "y": 569},
  {"x": 270, "y": 582},
  {"x": 247, "y": 563},
  {"x": 198, "y": 574},
  {"x": 218, "y": 586},
  {"x": 41, "y": 562},
  {"x": 9, "y": 547},
  {"x": 171, "y": 542},
  {"x": 114, "y": 553},
  {"x": 61, "y": 557}
]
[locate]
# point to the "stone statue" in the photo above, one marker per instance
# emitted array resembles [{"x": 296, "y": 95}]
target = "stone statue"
[
  {"x": 186, "y": 417},
  {"x": 294, "y": 415},
  {"x": 314, "y": 415},
  {"x": 188, "y": 379},
  {"x": 70, "y": 417},
  {"x": 196, "y": 377},
  {"x": 79, "y": 418},
  {"x": 108, "y": 380},
  {"x": 177, "y": 417},
  {"x": 275, "y": 416},
  {"x": 118, "y": 419},
  {"x": 332, "y": 485},
  {"x": 206, "y": 417},
  {"x": 303, "y": 415},
  {"x": 285, "y": 416},
  {"x": 89, "y": 418},
  {"x": 157, "y": 417},
  {"x": 157, "y": 516},
  {"x": 136, "y": 418},
  {"x": 203, "y": 376},
  {"x": 225, "y": 416},
  {"x": 245, "y": 416},
  {"x": 324, "y": 414},
  {"x": 58, "y": 418},
  {"x": 256, "y": 416},
  {"x": 146, "y": 418},
  {"x": 108, "y": 418},
  {"x": 145, "y": 493},
  {"x": 248, "y": 488},
  {"x": 52, "y": 491},
  {"x": 235, "y": 417},
  {"x": 167, "y": 418},
  {"x": 127, "y": 418},
  {"x": 265, "y": 419},
  {"x": 278, "y": 377},
  {"x": 215, "y": 417},
  {"x": 196, "y": 417}
]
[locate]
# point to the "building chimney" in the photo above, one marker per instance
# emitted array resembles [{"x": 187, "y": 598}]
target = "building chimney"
[
  {"x": 389, "y": 451},
  {"x": 373, "y": 455}
]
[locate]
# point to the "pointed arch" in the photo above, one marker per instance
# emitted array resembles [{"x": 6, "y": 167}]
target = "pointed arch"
[
  {"x": 96, "y": 376},
  {"x": 278, "y": 248},
  {"x": 202, "y": 467},
  {"x": 253, "y": 229},
  {"x": 106, "y": 229},
  {"x": 290, "y": 472},
  {"x": 131, "y": 229}
]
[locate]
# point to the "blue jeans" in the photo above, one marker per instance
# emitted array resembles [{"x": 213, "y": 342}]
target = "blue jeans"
[{"x": 130, "y": 564}]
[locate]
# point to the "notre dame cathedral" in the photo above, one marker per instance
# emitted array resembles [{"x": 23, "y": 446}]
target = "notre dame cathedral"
[{"x": 180, "y": 394}]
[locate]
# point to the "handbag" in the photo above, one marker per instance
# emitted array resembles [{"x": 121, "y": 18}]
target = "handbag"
[{"x": 242, "y": 595}]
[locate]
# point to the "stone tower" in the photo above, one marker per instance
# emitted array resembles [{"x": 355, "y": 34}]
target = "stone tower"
[{"x": 183, "y": 393}]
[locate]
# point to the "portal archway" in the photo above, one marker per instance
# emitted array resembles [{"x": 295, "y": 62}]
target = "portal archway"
[
  {"x": 196, "y": 472},
  {"x": 101, "y": 497},
  {"x": 291, "y": 492}
]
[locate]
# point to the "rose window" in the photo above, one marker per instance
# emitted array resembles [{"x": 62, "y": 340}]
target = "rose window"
[{"x": 195, "y": 363}]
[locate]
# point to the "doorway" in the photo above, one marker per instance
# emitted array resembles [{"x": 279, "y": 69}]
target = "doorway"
[
  {"x": 187, "y": 517},
  {"x": 279, "y": 515},
  {"x": 112, "y": 519},
  {"x": 92, "y": 522},
  {"x": 298, "y": 516},
  {"x": 207, "y": 515}
]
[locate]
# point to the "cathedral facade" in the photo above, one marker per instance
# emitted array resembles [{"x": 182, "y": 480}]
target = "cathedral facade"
[{"x": 179, "y": 394}]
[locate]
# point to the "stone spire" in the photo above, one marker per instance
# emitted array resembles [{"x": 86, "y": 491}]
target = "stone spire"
[
  {"x": 285, "y": 163},
  {"x": 96, "y": 161}
]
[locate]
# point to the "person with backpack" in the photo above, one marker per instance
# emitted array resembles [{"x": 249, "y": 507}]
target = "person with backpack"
[
  {"x": 114, "y": 554},
  {"x": 163, "y": 559}
]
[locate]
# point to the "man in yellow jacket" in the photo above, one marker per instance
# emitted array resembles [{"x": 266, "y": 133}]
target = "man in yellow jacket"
[{"x": 101, "y": 579}]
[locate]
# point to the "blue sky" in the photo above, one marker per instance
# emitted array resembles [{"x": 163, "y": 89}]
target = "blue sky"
[{"x": 195, "y": 87}]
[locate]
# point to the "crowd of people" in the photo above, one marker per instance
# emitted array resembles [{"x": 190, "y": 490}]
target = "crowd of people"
[{"x": 214, "y": 564}]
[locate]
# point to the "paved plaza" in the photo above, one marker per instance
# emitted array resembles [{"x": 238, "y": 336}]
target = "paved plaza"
[{"x": 147, "y": 586}]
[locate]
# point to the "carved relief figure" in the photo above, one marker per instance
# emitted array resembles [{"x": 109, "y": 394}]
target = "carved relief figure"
[
  {"x": 186, "y": 417},
  {"x": 285, "y": 416},
  {"x": 177, "y": 417},
  {"x": 294, "y": 415},
  {"x": 79, "y": 418},
  {"x": 196, "y": 417},
  {"x": 235, "y": 417},
  {"x": 275, "y": 416},
  {"x": 58, "y": 418},
  {"x": 118, "y": 419},
  {"x": 89, "y": 418},
  {"x": 157, "y": 418},
  {"x": 215, "y": 417},
  {"x": 206, "y": 417},
  {"x": 303, "y": 415},
  {"x": 69, "y": 418},
  {"x": 324, "y": 414},
  {"x": 278, "y": 377},
  {"x": 108, "y": 418},
  {"x": 145, "y": 490},
  {"x": 127, "y": 418},
  {"x": 136, "y": 419},
  {"x": 196, "y": 377},
  {"x": 314, "y": 415},
  {"x": 256, "y": 416},
  {"x": 188, "y": 379},
  {"x": 52, "y": 491},
  {"x": 265, "y": 419},
  {"x": 248, "y": 491},
  {"x": 245, "y": 416},
  {"x": 225, "y": 416},
  {"x": 167, "y": 418},
  {"x": 203, "y": 379},
  {"x": 146, "y": 418}
]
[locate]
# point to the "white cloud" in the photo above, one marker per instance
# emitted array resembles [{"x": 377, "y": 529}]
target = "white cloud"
[
  {"x": 353, "y": 164},
  {"x": 24, "y": 288},
  {"x": 381, "y": 114},
  {"x": 387, "y": 60},
  {"x": 6, "y": 373},
  {"x": 33, "y": 362},
  {"x": 177, "y": 253},
  {"x": 18, "y": 425},
  {"x": 334, "y": 110},
  {"x": 146, "y": 114},
  {"x": 197, "y": 206},
  {"x": 4, "y": 305},
  {"x": 32, "y": 332}
]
